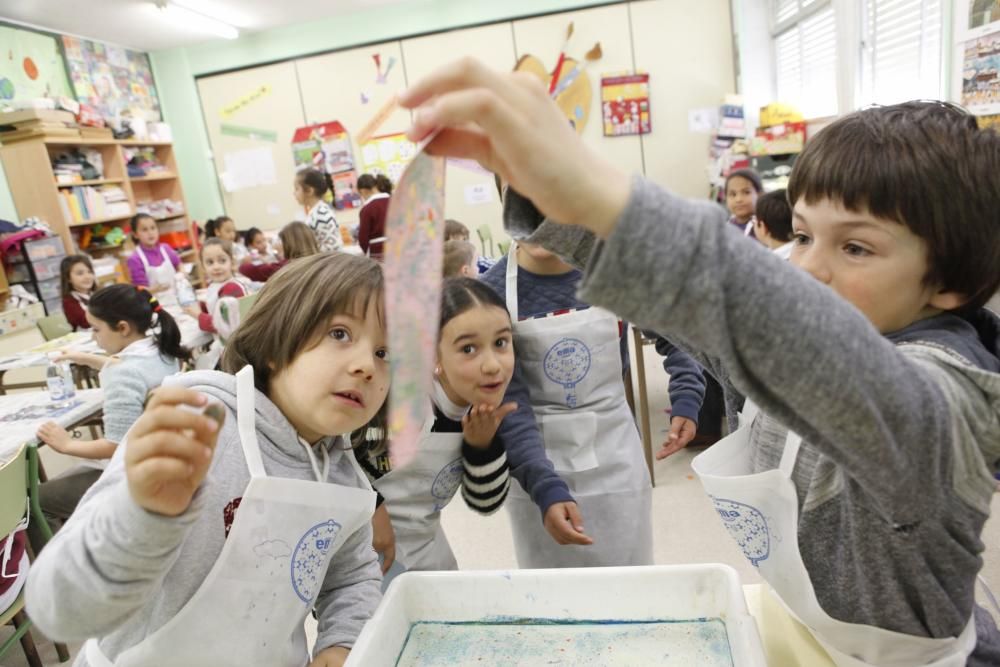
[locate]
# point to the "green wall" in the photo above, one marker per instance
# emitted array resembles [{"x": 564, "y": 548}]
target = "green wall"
[{"x": 175, "y": 69}]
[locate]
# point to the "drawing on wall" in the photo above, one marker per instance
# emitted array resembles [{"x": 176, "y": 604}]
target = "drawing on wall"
[
  {"x": 327, "y": 147},
  {"x": 31, "y": 66},
  {"x": 381, "y": 77},
  {"x": 625, "y": 104},
  {"x": 980, "y": 78},
  {"x": 111, "y": 78},
  {"x": 246, "y": 100},
  {"x": 388, "y": 154},
  {"x": 568, "y": 83}
]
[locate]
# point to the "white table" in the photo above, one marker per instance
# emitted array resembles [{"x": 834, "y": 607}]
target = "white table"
[{"x": 21, "y": 415}]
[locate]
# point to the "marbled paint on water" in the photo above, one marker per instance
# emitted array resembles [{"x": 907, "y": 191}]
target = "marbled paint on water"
[{"x": 700, "y": 642}]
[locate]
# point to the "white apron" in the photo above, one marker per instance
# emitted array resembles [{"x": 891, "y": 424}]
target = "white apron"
[
  {"x": 416, "y": 493},
  {"x": 225, "y": 312},
  {"x": 160, "y": 275},
  {"x": 572, "y": 366},
  {"x": 761, "y": 512},
  {"x": 250, "y": 609}
]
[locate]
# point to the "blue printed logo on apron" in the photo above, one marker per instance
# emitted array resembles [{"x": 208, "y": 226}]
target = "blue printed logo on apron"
[
  {"x": 567, "y": 363},
  {"x": 747, "y": 525},
  {"x": 309, "y": 559},
  {"x": 446, "y": 483}
]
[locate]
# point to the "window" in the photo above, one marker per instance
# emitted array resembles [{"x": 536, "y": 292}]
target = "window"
[
  {"x": 805, "y": 46},
  {"x": 901, "y": 51}
]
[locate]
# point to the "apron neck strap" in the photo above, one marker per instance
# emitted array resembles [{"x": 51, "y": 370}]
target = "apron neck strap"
[
  {"x": 793, "y": 442},
  {"x": 246, "y": 420},
  {"x": 349, "y": 453},
  {"x": 512, "y": 282},
  {"x": 321, "y": 473}
]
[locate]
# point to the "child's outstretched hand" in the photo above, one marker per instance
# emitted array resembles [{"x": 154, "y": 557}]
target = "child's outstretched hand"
[
  {"x": 565, "y": 525},
  {"x": 383, "y": 537},
  {"x": 482, "y": 422},
  {"x": 335, "y": 656},
  {"x": 682, "y": 431},
  {"x": 169, "y": 450}
]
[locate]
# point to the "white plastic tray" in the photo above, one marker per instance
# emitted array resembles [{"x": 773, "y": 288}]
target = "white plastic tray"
[{"x": 655, "y": 593}]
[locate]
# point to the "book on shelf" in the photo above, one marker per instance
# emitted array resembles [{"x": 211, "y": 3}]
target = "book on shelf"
[{"x": 91, "y": 203}]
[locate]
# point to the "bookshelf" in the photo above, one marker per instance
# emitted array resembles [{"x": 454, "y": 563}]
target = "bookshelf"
[{"x": 78, "y": 209}]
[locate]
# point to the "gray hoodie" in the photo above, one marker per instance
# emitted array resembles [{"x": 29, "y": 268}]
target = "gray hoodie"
[
  {"x": 119, "y": 572},
  {"x": 901, "y": 433}
]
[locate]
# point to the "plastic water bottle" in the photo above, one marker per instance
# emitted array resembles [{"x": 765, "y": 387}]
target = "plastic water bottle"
[
  {"x": 55, "y": 379},
  {"x": 185, "y": 292}
]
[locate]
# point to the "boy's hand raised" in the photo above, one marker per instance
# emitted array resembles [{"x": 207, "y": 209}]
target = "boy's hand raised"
[
  {"x": 482, "y": 422},
  {"x": 170, "y": 449},
  {"x": 564, "y": 524}
]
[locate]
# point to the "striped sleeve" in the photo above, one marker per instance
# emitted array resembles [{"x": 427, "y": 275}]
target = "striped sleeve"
[{"x": 486, "y": 478}]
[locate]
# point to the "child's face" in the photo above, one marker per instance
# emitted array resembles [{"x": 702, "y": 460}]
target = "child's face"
[
  {"x": 218, "y": 265},
  {"x": 461, "y": 236},
  {"x": 147, "y": 232},
  {"x": 227, "y": 231},
  {"x": 81, "y": 278},
  {"x": 741, "y": 197},
  {"x": 111, "y": 340},
  {"x": 300, "y": 193},
  {"x": 339, "y": 384},
  {"x": 259, "y": 244},
  {"x": 476, "y": 355},
  {"x": 878, "y": 265}
]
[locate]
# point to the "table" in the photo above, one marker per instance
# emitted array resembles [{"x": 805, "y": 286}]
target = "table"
[
  {"x": 21, "y": 415},
  {"x": 786, "y": 641}
]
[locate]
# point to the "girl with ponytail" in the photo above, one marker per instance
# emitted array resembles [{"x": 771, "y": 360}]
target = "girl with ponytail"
[
  {"x": 310, "y": 187},
  {"x": 144, "y": 347}
]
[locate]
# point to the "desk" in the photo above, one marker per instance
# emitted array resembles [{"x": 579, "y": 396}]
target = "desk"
[
  {"x": 22, "y": 414},
  {"x": 785, "y": 640}
]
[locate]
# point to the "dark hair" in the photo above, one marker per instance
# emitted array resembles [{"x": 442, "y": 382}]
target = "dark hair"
[
  {"x": 460, "y": 294},
  {"x": 748, "y": 174},
  {"x": 250, "y": 234},
  {"x": 924, "y": 165},
  {"x": 317, "y": 181},
  {"x": 134, "y": 224},
  {"x": 367, "y": 182},
  {"x": 213, "y": 225},
  {"x": 66, "y": 266},
  {"x": 297, "y": 240},
  {"x": 453, "y": 228},
  {"x": 774, "y": 212},
  {"x": 225, "y": 244},
  {"x": 456, "y": 255},
  {"x": 383, "y": 184},
  {"x": 137, "y": 306}
]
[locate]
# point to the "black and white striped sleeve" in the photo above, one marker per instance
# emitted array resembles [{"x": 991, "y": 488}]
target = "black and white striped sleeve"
[{"x": 486, "y": 478}]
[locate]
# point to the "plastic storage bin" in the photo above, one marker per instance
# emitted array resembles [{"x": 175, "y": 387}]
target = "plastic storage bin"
[
  {"x": 18, "y": 273},
  {"x": 49, "y": 289},
  {"x": 46, "y": 269},
  {"x": 53, "y": 306},
  {"x": 47, "y": 248},
  {"x": 567, "y": 597}
]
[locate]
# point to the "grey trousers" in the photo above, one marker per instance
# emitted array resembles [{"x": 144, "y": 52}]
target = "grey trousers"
[{"x": 59, "y": 497}]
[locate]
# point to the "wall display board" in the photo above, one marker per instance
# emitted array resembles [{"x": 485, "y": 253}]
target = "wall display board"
[
  {"x": 31, "y": 66},
  {"x": 111, "y": 78}
]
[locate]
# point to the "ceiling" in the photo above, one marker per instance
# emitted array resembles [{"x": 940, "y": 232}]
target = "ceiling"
[{"x": 139, "y": 25}]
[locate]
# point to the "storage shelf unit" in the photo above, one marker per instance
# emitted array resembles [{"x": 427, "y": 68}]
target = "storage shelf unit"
[{"x": 36, "y": 192}]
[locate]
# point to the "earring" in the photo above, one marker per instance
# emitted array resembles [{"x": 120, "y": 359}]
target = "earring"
[{"x": 437, "y": 370}]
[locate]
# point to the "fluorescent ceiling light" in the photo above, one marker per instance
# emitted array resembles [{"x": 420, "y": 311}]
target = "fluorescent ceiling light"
[{"x": 193, "y": 20}]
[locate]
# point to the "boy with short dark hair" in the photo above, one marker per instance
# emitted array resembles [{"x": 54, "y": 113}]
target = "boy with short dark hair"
[{"x": 773, "y": 222}]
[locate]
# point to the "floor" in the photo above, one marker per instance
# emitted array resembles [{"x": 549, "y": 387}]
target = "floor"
[{"x": 686, "y": 528}]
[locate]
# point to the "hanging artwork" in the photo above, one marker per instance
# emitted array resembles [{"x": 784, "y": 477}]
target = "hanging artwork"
[
  {"x": 568, "y": 83},
  {"x": 327, "y": 147},
  {"x": 625, "y": 104},
  {"x": 388, "y": 154},
  {"x": 111, "y": 78},
  {"x": 981, "y": 75},
  {"x": 30, "y": 66}
]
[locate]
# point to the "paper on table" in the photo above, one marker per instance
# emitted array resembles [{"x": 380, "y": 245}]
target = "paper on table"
[
  {"x": 415, "y": 230},
  {"x": 249, "y": 168}
]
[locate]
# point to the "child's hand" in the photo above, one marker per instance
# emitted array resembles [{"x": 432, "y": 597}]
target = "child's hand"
[
  {"x": 682, "y": 431},
  {"x": 193, "y": 311},
  {"x": 509, "y": 123},
  {"x": 55, "y": 436},
  {"x": 335, "y": 656},
  {"x": 565, "y": 525},
  {"x": 482, "y": 422},
  {"x": 383, "y": 537},
  {"x": 169, "y": 451}
]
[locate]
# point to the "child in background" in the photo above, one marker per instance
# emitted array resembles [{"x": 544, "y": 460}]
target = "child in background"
[
  {"x": 773, "y": 223},
  {"x": 371, "y": 230},
  {"x": 208, "y": 541},
  {"x": 456, "y": 231},
  {"x": 153, "y": 264},
  {"x": 145, "y": 347},
  {"x": 224, "y": 228},
  {"x": 460, "y": 259},
  {"x": 219, "y": 313},
  {"x": 296, "y": 240},
  {"x": 871, "y": 343},
  {"x": 77, "y": 281},
  {"x": 260, "y": 251},
  {"x": 310, "y": 186},
  {"x": 743, "y": 186},
  {"x": 458, "y": 447}
]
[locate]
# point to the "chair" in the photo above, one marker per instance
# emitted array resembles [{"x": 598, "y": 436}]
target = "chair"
[
  {"x": 54, "y": 326},
  {"x": 504, "y": 247},
  {"x": 486, "y": 236},
  {"x": 246, "y": 302}
]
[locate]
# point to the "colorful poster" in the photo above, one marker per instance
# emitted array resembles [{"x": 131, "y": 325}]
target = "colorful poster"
[
  {"x": 327, "y": 147},
  {"x": 981, "y": 75},
  {"x": 388, "y": 154},
  {"x": 625, "y": 104},
  {"x": 111, "y": 78},
  {"x": 30, "y": 66},
  {"x": 415, "y": 228}
]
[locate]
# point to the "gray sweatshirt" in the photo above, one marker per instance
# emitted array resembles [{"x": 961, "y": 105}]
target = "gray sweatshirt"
[
  {"x": 901, "y": 434},
  {"x": 119, "y": 572}
]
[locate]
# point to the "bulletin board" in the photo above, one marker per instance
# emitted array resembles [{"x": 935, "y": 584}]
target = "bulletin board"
[
  {"x": 111, "y": 78},
  {"x": 685, "y": 47},
  {"x": 31, "y": 66}
]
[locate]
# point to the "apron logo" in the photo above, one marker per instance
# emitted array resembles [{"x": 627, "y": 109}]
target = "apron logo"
[
  {"x": 567, "y": 364},
  {"x": 310, "y": 558},
  {"x": 446, "y": 483},
  {"x": 747, "y": 525}
]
